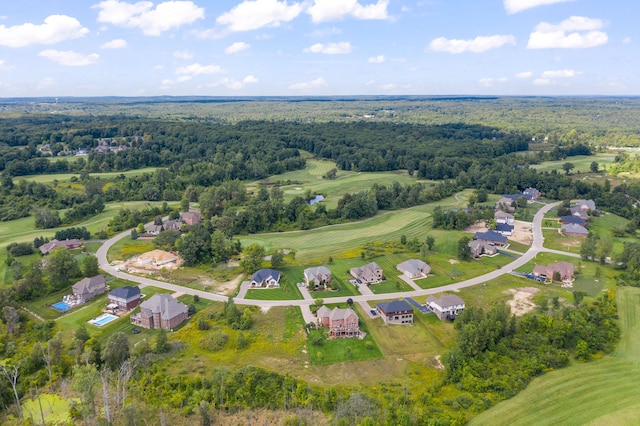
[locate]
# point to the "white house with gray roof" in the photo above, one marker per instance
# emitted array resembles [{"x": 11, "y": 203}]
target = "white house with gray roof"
[
  {"x": 414, "y": 268},
  {"x": 446, "y": 307},
  {"x": 265, "y": 278}
]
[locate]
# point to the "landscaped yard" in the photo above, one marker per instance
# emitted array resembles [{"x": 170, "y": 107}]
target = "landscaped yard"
[{"x": 288, "y": 291}]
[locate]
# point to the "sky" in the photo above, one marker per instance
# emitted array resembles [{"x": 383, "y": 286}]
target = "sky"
[{"x": 318, "y": 47}]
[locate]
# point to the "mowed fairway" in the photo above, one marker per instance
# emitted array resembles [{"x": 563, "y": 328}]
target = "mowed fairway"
[
  {"x": 311, "y": 178},
  {"x": 582, "y": 163},
  {"x": 67, "y": 176},
  {"x": 330, "y": 240},
  {"x": 599, "y": 392}
]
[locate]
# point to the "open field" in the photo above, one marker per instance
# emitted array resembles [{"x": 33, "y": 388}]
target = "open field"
[
  {"x": 67, "y": 176},
  {"x": 598, "y": 392},
  {"x": 581, "y": 162},
  {"x": 322, "y": 242},
  {"x": 296, "y": 183}
]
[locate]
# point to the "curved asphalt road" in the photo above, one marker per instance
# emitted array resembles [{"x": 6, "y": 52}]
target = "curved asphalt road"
[{"x": 536, "y": 247}]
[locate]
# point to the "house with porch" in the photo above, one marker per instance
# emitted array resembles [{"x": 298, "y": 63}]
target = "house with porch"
[
  {"x": 265, "y": 278},
  {"x": 561, "y": 271},
  {"x": 370, "y": 273},
  {"x": 446, "y": 307},
  {"x": 88, "y": 288},
  {"x": 317, "y": 278},
  {"x": 482, "y": 248},
  {"x": 341, "y": 322},
  {"x": 396, "y": 312},
  {"x": 414, "y": 268}
]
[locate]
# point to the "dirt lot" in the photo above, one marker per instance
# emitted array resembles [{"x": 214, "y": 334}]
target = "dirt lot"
[
  {"x": 521, "y": 233},
  {"x": 522, "y": 301}
]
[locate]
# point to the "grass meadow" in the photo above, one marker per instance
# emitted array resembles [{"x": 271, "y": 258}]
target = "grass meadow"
[
  {"x": 67, "y": 176},
  {"x": 582, "y": 163},
  {"x": 604, "y": 391}
]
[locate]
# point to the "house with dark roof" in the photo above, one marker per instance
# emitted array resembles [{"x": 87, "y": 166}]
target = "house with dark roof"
[
  {"x": 341, "y": 322},
  {"x": 481, "y": 248},
  {"x": 370, "y": 273},
  {"x": 574, "y": 230},
  {"x": 160, "y": 311},
  {"x": 414, "y": 268},
  {"x": 446, "y": 307},
  {"x": 88, "y": 288},
  {"x": 124, "y": 298},
  {"x": 504, "y": 229},
  {"x": 551, "y": 272},
  {"x": 573, "y": 219},
  {"x": 265, "y": 278},
  {"x": 54, "y": 244},
  {"x": 492, "y": 237},
  {"x": 531, "y": 194},
  {"x": 396, "y": 312},
  {"x": 317, "y": 278}
]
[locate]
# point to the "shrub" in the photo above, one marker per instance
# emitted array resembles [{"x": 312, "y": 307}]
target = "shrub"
[{"x": 215, "y": 341}]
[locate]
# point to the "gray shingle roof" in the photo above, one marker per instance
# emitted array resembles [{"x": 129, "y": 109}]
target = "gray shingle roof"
[
  {"x": 125, "y": 292},
  {"x": 165, "y": 305}
]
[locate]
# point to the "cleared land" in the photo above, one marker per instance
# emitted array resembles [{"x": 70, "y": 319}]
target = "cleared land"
[
  {"x": 581, "y": 163},
  {"x": 600, "y": 392}
]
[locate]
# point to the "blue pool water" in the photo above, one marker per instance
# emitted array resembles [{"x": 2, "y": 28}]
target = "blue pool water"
[
  {"x": 61, "y": 306},
  {"x": 103, "y": 319}
]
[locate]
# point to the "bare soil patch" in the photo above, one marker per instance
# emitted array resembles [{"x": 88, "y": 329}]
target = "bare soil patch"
[
  {"x": 522, "y": 232},
  {"x": 522, "y": 301},
  {"x": 453, "y": 261},
  {"x": 224, "y": 288}
]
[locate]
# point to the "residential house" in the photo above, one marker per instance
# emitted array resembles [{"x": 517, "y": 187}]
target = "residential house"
[
  {"x": 504, "y": 229},
  {"x": 160, "y": 311},
  {"x": 124, "y": 298},
  {"x": 414, "y": 268},
  {"x": 370, "y": 273},
  {"x": 585, "y": 205},
  {"x": 506, "y": 204},
  {"x": 53, "y": 244},
  {"x": 503, "y": 217},
  {"x": 265, "y": 278},
  {"x": 578, "y": 212},
  {"x": 481, "y": 248},
  {"x": 88, "y": 288},
  {"x": 573, "y": 219},
  {"x": 396, "y": 312},
  {"x": 153, "y": 229},
  {"x": 562, "y": 270},
  {"x": 492, "y": 237},
  {"x": 191, "y": 217},
  {"x": 172, "y": 225},
  {"x": 574, "y": 230},
  {"x": 446, "y": 307},
  {"x": 531, "y": 194},
  {"x": 341, "y": 322},
  {"x": 317, "y": 278}
]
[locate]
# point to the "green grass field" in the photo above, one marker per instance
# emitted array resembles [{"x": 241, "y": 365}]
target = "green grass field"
[
  {"x": 601, "y": 392},
  {"x": 67, "y": 176},
  {"x": 310, "y": 178},
  {"x": 581, "y": 163}
]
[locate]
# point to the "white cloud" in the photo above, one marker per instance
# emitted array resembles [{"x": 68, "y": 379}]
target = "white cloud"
[
  {"x": 335, "y": 10},
  {"x": 340, "y": 48},
  {"x": 70, "y": 58},
  {"x": 543, "y": 82},
  {"x": 515, "y": 6},
  {"x": 524, "y": 74},
  {"x": 45, "y": 83},
  {"x": 168, "y": 83},
  {"x": 309, "y": 85},
  {"x": 152, "y": 21},
  {"x": 118, "y": 43},
  {"x": 3, "y": 66},
  {"x": 325, "y": 32},
  {"x": 488, "y": 81},
  {"x": 376, "y": 59},
  {"x": 182, "y": 54},
  {"x": 197, "y": 69},
  {"x": 236, "y": 47},
  {"x": 477, "y": 45},
  {"x": 237, "y": 84},
  {"x": 575, "y": 32},
  {"x": 56, "y": 28},
  {"x": 560, "y": 74},
  {"x": 254, "y": 14},
  {"x": 626, "y": 40}
]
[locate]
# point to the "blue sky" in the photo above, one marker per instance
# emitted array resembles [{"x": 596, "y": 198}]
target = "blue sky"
[{"x": 319, "y": 47}]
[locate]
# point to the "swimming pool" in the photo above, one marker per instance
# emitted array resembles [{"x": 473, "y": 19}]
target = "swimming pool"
[
  {"x": 102, "y": 319},
  {"x": 61, "y": 306}
]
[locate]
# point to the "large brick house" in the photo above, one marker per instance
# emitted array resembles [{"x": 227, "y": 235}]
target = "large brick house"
[
  {"x": 341, "y": 322},
  {"x": 124, "y": 298},
  {"x": 160, "y": 311},
  {"x": 396, "y": 312}
]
